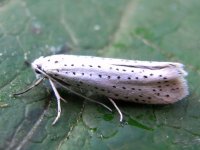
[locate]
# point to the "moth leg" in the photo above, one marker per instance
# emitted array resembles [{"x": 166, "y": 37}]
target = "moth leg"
[
  {"x": 117, "y": 108},
  {"x": 37, "y": 82},
  {"x": 86, "y": 98},
  {"x": 58, "y": 101}
]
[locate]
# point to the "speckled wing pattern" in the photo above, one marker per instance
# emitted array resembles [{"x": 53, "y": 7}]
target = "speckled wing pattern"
[{"x": 120, "y": 79}]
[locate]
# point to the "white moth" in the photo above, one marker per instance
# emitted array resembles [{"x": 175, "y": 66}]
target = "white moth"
[{"x": 128, "y": 80}]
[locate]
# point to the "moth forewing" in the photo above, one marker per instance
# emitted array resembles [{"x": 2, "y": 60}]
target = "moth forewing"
[{"x": 150, "y": 83}]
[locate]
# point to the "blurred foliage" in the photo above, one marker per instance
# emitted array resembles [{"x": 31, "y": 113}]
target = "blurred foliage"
[{"x": 132, "y": 29}]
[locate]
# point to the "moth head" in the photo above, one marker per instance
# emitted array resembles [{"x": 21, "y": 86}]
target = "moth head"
[{"x": 37, "y": 66}]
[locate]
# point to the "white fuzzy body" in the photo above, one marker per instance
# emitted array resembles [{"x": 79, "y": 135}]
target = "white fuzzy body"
[{"x": 136, "y": 81}]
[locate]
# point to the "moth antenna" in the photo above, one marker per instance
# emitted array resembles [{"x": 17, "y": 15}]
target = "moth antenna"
[
  {"x": 117, "y": 108},
  {"x": 37, "y": 82},
  {"x": 64, "y": 100},
  {"x": 88, "y": 99},
  {"x": 78, "y": 94}
]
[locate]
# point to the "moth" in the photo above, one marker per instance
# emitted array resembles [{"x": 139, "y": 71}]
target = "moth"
[{"x": 147, "y": 82}]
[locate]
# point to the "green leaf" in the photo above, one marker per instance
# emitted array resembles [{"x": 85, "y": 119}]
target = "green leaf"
[{"x": 132, "y": 29}]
